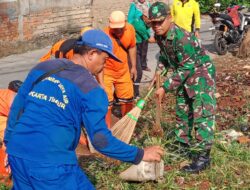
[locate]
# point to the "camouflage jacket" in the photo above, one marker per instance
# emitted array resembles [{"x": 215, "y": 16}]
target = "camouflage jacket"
[{"x": 181, "y": 51}]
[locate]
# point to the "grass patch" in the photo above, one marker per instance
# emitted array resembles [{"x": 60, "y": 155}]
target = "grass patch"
[{"x": 230, "y": 167}]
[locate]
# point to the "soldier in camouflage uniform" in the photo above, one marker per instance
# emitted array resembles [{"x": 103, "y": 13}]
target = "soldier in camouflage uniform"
[{"x": 193, "y": 80}]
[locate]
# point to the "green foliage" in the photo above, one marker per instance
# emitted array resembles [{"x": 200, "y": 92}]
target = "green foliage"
[
  {"x": 207, "y": 5},
  {"x": 230, "y": 168},
  {"x": 3, "y": 187}
]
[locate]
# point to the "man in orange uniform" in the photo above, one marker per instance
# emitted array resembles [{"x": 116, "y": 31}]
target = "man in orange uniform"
[
  {"x": 63, "y": 48},
  {"x": 117, "y": 76},
  {"x": 6, "y": 98}
]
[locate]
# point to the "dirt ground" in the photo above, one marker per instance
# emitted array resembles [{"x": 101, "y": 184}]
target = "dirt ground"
[{"x": 233, "y": 92}]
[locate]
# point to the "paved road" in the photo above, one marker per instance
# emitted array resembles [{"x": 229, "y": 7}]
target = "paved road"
[{"x": 17, "y": 66}]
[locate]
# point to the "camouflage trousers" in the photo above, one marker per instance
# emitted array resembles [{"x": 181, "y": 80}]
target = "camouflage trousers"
[{"x": 196, "y": 116}]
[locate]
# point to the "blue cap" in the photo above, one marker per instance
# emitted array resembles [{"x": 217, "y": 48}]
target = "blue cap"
[{"x": 99, "y": 40}]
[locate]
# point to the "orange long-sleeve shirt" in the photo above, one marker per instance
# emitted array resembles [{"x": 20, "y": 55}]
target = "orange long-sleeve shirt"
[{"x": 114, "y": 68}]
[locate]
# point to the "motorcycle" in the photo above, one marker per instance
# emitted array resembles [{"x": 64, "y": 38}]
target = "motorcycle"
[{"x": 229, "y": 28}]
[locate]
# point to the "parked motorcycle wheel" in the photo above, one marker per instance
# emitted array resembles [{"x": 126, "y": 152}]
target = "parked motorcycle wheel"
[{"x": 220, "y": 44}]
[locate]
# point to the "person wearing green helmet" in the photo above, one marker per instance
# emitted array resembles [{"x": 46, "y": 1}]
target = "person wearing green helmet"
[{"x": 193, "y": 81}]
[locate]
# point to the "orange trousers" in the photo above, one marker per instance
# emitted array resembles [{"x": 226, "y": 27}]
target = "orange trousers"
[{"x": 123, "y": 88}]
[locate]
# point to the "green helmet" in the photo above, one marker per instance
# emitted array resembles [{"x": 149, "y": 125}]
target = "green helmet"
[{"x": 158, "y": 11}]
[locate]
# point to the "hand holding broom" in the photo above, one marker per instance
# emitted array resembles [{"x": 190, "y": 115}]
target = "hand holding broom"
[
  {"x": 154, "y": 78},
  {"x": 160, "y": 93},
  {"x": 124, "y": 128}
]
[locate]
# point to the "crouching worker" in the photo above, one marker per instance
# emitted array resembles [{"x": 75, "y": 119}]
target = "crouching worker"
[
  {"x": 6, "y": 98},
  {"x": 57, "y": 98},
  {"x": 64, "y": 49}
]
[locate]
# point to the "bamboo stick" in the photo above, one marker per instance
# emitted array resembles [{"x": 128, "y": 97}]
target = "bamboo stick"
[
  {"x": 158, "y": 104},
  {"x": 157, "y": 130}
]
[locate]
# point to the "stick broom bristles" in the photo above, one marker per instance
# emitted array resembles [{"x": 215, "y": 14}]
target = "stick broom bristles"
[{"x": 124, "y": 128}]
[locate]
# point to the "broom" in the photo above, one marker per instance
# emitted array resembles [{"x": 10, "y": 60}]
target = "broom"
[
  {"x": 157, "y": 130},
  {"x": 124, "y": 128}
]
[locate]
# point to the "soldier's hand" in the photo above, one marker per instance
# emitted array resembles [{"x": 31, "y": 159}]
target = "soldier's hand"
[
  {"x": 160, "y": 93},
  {"x": 153, "y": 154}
]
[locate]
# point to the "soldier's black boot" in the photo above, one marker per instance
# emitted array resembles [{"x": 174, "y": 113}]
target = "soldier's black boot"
[{"x": 200, "y": 163}]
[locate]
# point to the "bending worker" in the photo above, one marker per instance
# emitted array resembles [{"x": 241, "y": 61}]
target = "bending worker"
[
  {"x": 44, "y": 126},
  {"x": 64, "y": 48},
  {"x": 193, "y": 80}
]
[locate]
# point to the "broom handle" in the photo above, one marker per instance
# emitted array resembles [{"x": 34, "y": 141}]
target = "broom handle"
[
  {"x": 158, "y": 106},
  {"x": 140, "y": 104},
  {"x": 153, "y": 85}
]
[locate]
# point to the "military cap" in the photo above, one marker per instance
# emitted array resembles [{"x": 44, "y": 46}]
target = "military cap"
[{"x": 158, "y": 11}]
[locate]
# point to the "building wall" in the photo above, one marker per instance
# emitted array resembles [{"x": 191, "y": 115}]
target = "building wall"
[
  {"x": 102, "y": 9},
  {"x": 31, "y": 24},
  {"x": 27, "y": 24}
]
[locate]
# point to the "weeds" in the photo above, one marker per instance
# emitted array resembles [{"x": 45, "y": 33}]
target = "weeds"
[{"x": 230, "y": 168}]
